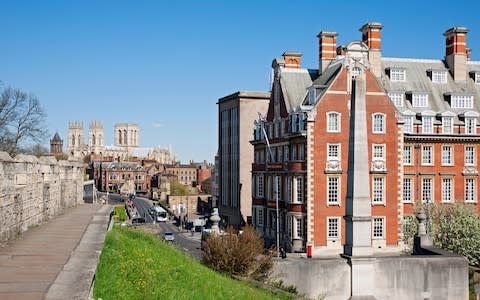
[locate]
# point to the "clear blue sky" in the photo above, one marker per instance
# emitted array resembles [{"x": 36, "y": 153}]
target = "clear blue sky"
[{"x": 164, "y": 64}]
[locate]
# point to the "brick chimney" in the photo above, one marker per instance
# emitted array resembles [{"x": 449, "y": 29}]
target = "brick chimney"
[
  {"x": 371, "y": 36},
  {"x": 456, "y": 52},
  {"x": 327, "y": 42},
  {"x": 292, "y": 59}
]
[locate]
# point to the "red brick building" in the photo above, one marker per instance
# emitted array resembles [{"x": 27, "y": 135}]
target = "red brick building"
[{"x": 420, "y": 134}]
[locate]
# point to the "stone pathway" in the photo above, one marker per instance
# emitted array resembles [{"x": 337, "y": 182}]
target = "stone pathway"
[{"x": 46, "y": 256}]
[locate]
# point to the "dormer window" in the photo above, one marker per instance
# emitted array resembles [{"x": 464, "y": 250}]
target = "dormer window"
[
  {"x": 397, "y": 98},
  {"x": 447, "y": 124},
  {"x": 461, "y": 101},
  {"x": 408, "y": 121},
  {"x": 438, "y": 76},
  {"x": 427, "y": 121},
  {"x": 397, "y": 74},
  {"x": 475, "y": 76},
  {"x": 419, "y": 99},
  {"x": 470, "y": 118},
  {"x": 311, "y": 96}
]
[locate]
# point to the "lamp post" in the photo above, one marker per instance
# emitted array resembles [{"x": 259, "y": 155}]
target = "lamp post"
[{"x": 275, "y": 182}]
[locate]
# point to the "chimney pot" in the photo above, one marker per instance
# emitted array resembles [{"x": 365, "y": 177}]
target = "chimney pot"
[{"x": 292, "y": 59}]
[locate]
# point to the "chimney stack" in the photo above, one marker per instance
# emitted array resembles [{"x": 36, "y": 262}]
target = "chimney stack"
[
  {"x": 292, "y": 59},
  {"x": 327, "y": 49},
  {"x": 371, "y": 36},
  {"x": 456, "y": 52}
]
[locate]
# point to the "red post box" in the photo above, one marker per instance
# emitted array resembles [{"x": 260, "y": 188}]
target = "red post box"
[{"x": 309, "y": 250}]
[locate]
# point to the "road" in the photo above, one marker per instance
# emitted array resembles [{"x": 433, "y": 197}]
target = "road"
[{"x": 183, "y": 240}]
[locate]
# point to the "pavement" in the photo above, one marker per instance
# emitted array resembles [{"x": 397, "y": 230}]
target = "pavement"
[{"x": 56, "y": 260}]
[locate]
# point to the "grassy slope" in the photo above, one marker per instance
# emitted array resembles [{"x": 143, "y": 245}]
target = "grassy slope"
[{"x": 135, "y": 265}]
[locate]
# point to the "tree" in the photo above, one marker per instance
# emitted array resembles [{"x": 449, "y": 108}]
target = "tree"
[
  {"x": 453, "y": 227},
  {"x": 178, "y": 189},
  {"x": 238, "y": 254},
  {"x": 21, "y": 120}
]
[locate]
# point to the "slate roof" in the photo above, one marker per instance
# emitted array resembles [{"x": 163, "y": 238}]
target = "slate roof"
[
  {"x": 294, "y": 83},
  {"x": 417, "y": 80}
]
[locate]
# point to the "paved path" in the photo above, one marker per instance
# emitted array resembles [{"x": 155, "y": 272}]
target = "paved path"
[{"x": 58, "y": 257}]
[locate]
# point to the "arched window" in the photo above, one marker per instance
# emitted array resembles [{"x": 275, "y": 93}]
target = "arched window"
[
  {"x": 79, "y": 144},
  {"x": 93, "y": 139},
  {"x": 378, "y": 123},
  {"x": 73, "y": 140},
  {"x": 333, "y": 122},
  {"x": 119, "y": 137},
  {"x": 125, "y": 141}
]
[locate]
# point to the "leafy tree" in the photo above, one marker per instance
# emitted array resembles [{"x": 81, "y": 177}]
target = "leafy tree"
[
  {"x": 452, "y": 227},
  {"x": 21, "y": 120}
]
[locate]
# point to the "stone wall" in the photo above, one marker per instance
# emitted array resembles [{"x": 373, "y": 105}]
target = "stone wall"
[
  {"x": 33, "y": 190},
  {"x": 404, "y": 277}
]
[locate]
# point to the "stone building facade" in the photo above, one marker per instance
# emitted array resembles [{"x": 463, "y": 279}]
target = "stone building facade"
[
  {"x": 421, "y": 131},
  {"x": 236, "y": 114},
  {"x": 33, "y": 190}
]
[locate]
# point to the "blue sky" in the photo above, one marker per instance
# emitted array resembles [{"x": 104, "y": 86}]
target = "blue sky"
[{"x": 164, "y": 64}]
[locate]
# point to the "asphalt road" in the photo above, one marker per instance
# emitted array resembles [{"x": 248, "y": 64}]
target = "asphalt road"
[{"x": 186, "y": 244}]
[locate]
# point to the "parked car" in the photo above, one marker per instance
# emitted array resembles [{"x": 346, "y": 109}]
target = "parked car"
[
  {"x": 138, "y": 220},
  {"x": 168, "y": 236}
]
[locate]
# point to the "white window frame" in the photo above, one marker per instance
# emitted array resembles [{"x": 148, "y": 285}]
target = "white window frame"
[
  {"x": 260, "y": 217},
  {"x": 427, "y": 155},
  {"x": 419, "y": 99},
  {"x": 333, "y": 125},
  {"x": 398, "y": 74},
  {"x": 447, "y": 156},
  {"x": 337, "y": 190},
  {"x": 470, "y": 155},
  {"x": 408, "y": 124},
  {"x": 439, "y": 76},
  {"x": 331, "y": 149},
  {"x": 378, "y": 152},
  {"x": 447, "y": 124},
  {"x": 461, "y": 101},
  {"x": 427, "y": 124},
  {"x": 470, "y": 190},
  {"x": 378, "y": 228},
  {"x": 378, "y": 123},
  {"x": 427, "y": 190},
  {"x": 470, "y": 125},
  {"x": 333, "y": 228},
  {"x": 298, "y": 232},
  {"x": 407, "y": 189},
  {"x": 447, "y": 189},
  {"x": 477, "y": 77},
  {"x": 378, "y": 190},
  {"x": 260, "y": 186},
  {"x": 301, "y": 152},
  {"x": 397, "y": 98},
  {"x": 299, "y": 189},
  {"x": 311, "y": 96},
  {"x": 408, "y": 155}
]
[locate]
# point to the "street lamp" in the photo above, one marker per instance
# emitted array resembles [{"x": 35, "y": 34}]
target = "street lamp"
[{"x": 275, "y": 182}]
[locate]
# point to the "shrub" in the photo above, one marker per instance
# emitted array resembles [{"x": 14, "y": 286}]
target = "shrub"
[{"x": 238, "y": 254}]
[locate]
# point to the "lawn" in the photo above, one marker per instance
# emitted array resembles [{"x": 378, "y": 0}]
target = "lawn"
[
  {"x": 137, "y": 265},
  {"x": 120, "y": 213}
]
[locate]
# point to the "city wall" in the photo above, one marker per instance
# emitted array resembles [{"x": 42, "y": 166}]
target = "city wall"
[
  {"x": 33, "y": 190},
  {"x": 404, "y": 277}
]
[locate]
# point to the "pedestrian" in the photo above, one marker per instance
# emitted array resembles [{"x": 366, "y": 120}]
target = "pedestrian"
[{"x": 283, "y": 253}]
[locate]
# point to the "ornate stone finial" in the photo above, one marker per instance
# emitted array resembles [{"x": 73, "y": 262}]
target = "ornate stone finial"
[
  {"x": 421, "y": 217},
  {"x": 215, "y": 218}
]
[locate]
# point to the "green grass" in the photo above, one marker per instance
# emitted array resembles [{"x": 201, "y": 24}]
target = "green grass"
[
  {"x": 137, "y": 265},
  {"x": 120, "y": 213}
]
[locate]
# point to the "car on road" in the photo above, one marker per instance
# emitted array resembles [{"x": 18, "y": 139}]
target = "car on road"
[
  {"x": 138, "y": 220},
  {"x": 168, "y": 236}
]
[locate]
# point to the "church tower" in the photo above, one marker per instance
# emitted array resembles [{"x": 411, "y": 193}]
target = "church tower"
[{"x": 56, "y": 145}]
